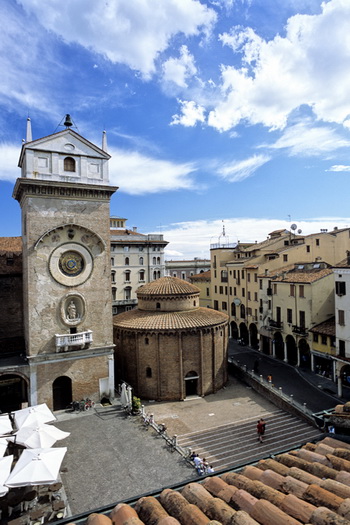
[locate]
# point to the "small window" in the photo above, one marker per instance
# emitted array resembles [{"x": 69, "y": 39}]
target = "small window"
[
  {"x": 141, "y": 261},
  {"x": 292, "y": 290},
  {"x": 285, "y": 258},
  {"x": 69, "y": 164},
  {"x": 148, "y": 371},
  {"x": 208, "y": 292},
  {"x": 315, "y": 338},
  {"x": 324, "y": 339},
  {"x": 289, "y": 315},
  {"x": 274, "y": 289},
  {"x": 158, "y": 306},
  {"x": 307, "y": 248},
  {"x": 317, "y": 242},
  {"x": 142, "y": 275},
  {"x": 146, "y": 341},
  {"x": 340, "y": 288},
  {"x": 341, "y": 317},
  {"x": 224, "y": 306},
  {"x": 301, "y": 291},
  {"x": 127, "y": 261},
  {"x": 341, "y": 348},
  {"x": 126, "y": 248},
  {"x": 127, "y": 275}
]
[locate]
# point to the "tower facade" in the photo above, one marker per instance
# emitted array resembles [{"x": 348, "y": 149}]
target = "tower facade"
[{"x": 64, "y": 195}]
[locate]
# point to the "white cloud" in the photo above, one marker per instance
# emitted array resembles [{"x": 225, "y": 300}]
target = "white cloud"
[
  {"x": 303, "y": 139},
  {"x": 237, "y": 171},
  {"x": 137, "y": 174},
  {"x": 310, "y": 66},
  {"x": 339, "y": 167},
  {"x": 191, "y": 113},
  {"x": 132, "y": 33},
  {"x": 9, "y": 155},
  {"x": 177, "y": 70},
  {"x": 193, "y": 239}
]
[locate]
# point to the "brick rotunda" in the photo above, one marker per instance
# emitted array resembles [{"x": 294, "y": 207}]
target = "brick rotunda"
[{"x": 169, "y": 348}]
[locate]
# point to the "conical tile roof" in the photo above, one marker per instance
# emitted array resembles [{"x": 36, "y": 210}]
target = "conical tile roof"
[{"x": 167, "y": 286}]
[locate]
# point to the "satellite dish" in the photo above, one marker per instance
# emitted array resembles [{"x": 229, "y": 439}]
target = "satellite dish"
[
  {"x": 237, "y": 301},
  {"x": 293, "y": 227},
  {"x": 299, "y": 231}
]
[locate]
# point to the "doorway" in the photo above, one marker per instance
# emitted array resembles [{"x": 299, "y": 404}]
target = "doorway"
[
  {"x": 191, "y": 382},
  {"x": 62, "y": 392},
  {"x": 13, "y": 392}
]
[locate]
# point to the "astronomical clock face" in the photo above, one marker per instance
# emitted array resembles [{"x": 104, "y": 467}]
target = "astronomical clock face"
[{"x": 71, "y": 264}]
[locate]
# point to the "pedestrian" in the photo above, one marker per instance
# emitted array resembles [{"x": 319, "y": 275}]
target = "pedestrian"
[
  {"x": 269, "y": 378},
  {"x": 210, "y": 469},
  {"x": 263, "y": 422},
  {"x": 256, "y": 366},
  {"x": 260, "y": 431}
]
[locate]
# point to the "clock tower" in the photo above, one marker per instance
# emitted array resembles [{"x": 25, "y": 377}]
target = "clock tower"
[{"x": 64, "y": 195}]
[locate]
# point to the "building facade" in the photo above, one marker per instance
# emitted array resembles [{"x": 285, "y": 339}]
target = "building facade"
[
  {"x": 136, "y": 259},
  {"x": 186, "y": 269},
  {"x": 64, "y": 195}
]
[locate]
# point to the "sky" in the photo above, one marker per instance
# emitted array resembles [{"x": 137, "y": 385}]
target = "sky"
[{"x": 221, "y": 115}]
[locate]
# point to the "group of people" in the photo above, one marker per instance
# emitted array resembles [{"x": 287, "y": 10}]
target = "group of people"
[
  {"x": 260, "y": 428},
  {"x": 202, "y": 466}
]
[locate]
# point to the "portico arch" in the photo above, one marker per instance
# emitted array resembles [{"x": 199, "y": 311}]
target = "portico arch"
[
  {"x": 253, "y": 334},
  {"x": 292, "y": 353},
  {"x": 13, "y": 392},
  {"x": 279, "y": 346},
  {"x": 234, "y": 330}
]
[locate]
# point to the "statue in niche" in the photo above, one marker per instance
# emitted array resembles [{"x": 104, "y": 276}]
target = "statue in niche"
[{"x": 72, "y": 311}]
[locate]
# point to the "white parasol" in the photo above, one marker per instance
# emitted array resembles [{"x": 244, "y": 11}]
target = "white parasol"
[
  {"x": 3, "y": 446},
  {"x": 5, "y": 467},
  {"x": 123, "y": 396},
  {"x": 37, "y": 466},
  {"x": 5, "y": 425},
  {"x": 39, "y": 437},
  {"x": 33, "y": 416}
]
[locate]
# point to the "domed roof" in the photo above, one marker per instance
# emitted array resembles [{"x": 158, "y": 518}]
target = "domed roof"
[
  {"x": 167, "y": 321},
  {"x": 167, "y": 286}
]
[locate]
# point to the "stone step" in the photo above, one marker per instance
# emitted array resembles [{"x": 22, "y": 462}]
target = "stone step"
[{"x": 236, "y": 443}]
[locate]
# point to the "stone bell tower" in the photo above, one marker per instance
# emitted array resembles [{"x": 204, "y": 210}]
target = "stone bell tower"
[{"x": 64, "y": 195}]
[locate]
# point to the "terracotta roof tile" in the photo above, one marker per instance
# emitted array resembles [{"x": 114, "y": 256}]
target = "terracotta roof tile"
[
  {"x": 325, "y": 328},
  {"x": 166, "y": 286},
  {"x": 151, "y": 320},
  {"x": 10, "y": 244},
  {"x": 204, "y": 276},
  {"x": 295, "y": 487}
]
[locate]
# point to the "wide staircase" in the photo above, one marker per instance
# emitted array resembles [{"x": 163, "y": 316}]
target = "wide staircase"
[{"x": 235, "y": 444}]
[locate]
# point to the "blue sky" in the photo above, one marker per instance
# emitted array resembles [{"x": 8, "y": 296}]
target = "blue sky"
[{"x": 222, "y": 110}]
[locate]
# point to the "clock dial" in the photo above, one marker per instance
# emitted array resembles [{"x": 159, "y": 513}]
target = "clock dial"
[{"x": 71, "y": 263}]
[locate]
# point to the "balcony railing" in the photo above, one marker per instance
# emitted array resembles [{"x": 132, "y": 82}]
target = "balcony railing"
[
  {"x": 66, "y": 341},
  {"x": 276, "y": 324},
  {"x": 299, "y": 330},
  {"x": 122, "y": 302}
]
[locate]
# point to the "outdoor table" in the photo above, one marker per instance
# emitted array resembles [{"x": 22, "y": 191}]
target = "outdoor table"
[
  {"x": 36, "y": 514},
  {"x": 54, "y": 487}
]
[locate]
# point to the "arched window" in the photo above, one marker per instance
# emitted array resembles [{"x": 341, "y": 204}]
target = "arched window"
[
  {"x": 142, "y": 275},
  {"x": 69, "y": 164},
  {"x": 127, "y": 293},
  {"x": 114, "y": 294},
  {"x": 127, "y": 275},
  {"x": 146, "y": 341},
  {"x": 158, "y": 306},
  {"x": 148, "y": 371},
  {"x": 113, "y": 277},
  {"x": 127, "y": 261},
  {"x": 154, "y": 275},
  {"x": 158, "y": 260},
  {"x": 242, "y": 311},
  {"x": 233, "y": 309},
  {"x": 154, "y": 260},
  {"x": 158, "y": 274},
  {"x": 141, "y": 261}
]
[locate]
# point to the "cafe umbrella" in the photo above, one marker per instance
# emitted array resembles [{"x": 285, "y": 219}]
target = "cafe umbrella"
[
  {"x": 43, "y": 436},
  {"x": 5, "y": 467},
  {"x": 37, "y": 466},
  {"x": 5, "y": 425},
  {"x": 33, "y": 416}
]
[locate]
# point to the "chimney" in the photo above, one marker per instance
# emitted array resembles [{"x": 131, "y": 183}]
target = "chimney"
[{"x": 134, "y": 228}]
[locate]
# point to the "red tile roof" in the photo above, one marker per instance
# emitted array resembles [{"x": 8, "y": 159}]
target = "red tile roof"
[{"x": 310, "y": 485}]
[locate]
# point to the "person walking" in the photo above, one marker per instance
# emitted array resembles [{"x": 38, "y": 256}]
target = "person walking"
[{"x": 260, "y": 430}]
